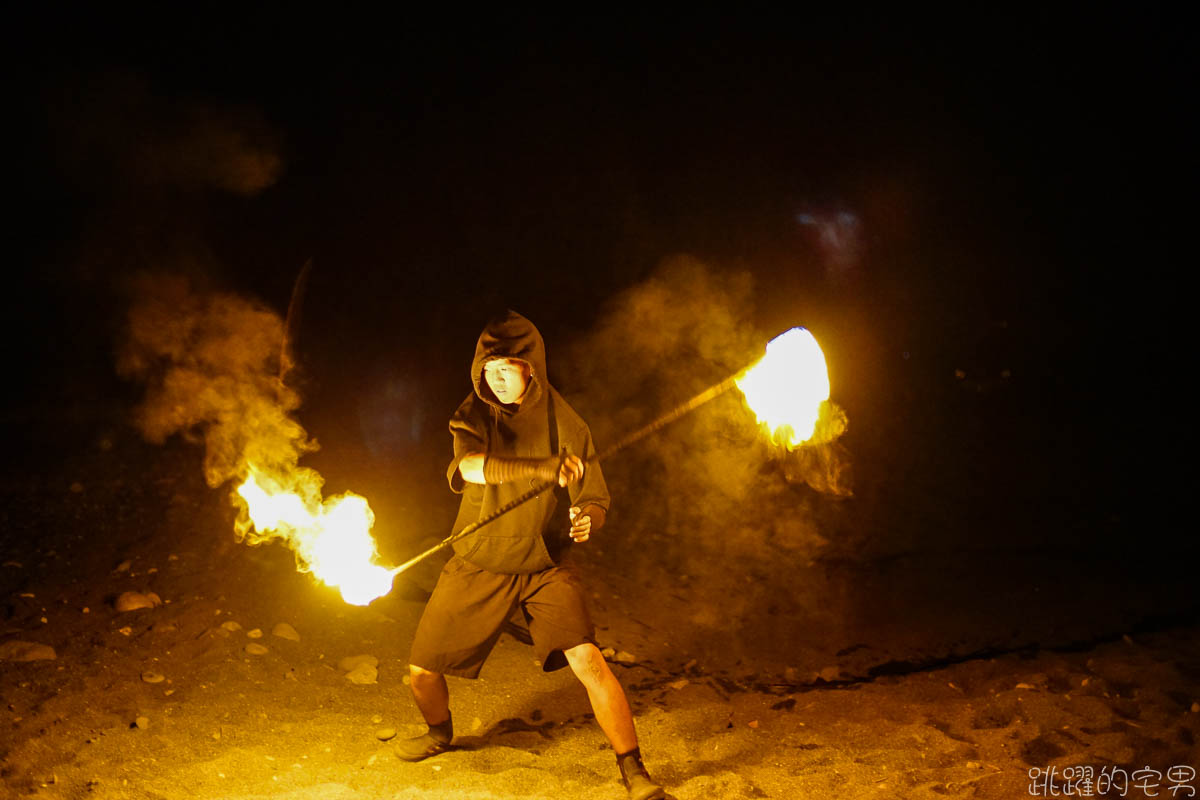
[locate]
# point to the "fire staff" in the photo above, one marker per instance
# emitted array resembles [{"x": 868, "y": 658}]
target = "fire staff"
[{"x": 505, "y": 436}]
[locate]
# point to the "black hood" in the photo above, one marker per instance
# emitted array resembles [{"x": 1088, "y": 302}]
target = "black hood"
[{"x": 510, "y": 335}]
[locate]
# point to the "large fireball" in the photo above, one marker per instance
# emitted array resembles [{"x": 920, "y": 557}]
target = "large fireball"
[
  {"x": 331, "y": 538},
  {"x": 787, "y": 387}
]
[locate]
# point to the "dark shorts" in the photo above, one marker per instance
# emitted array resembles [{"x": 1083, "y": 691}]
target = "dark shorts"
[{"x": 469, "y": 605}]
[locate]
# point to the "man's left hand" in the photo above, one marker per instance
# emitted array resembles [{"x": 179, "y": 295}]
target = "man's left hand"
[
  {"x": 581, "y": 527},
  {"x": 570, "y": 471}
]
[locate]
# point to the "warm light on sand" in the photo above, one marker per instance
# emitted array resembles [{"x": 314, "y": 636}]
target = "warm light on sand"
[
  {"x": 786, "y": 388},
  {"x": 331, "y": 538}
]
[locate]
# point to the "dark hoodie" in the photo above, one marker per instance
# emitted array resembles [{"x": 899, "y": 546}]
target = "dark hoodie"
[{"x": 514, "y": 543}]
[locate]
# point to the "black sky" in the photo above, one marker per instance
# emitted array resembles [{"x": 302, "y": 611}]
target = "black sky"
[{"x": 1019, "y": 169}]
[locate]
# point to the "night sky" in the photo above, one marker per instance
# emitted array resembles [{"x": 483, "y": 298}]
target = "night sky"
[{"x": 1014, "y": 186}]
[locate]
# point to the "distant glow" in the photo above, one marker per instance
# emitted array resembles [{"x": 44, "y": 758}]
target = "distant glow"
[{"x": 786, "y": 388}]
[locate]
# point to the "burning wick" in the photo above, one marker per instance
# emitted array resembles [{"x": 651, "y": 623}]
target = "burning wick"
[
  {"x": 786, "y": 388},
  {"x": 331, "y": 538}
]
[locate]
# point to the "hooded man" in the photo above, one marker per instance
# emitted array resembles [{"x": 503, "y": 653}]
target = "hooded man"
[{"x": 507, "y": 435}]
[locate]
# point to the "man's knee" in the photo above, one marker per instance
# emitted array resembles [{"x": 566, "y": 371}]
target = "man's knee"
[
  {"x": 586, "y": 662},
  {"x": 422, "y": 675}
]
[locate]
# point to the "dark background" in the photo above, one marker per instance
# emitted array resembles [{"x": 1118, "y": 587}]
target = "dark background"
[{"x": 1018, "y": 185}]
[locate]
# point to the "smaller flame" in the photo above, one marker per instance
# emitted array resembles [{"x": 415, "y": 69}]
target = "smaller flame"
[
  {"x": 787, "y": 387},
  {"x": 331, "y": 538}
]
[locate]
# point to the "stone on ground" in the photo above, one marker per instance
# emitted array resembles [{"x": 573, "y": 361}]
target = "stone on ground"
[
  {"x": 285, "y": 631},
  {"x": 16, "y": 650},
  {"x": 132, "y": 601}
]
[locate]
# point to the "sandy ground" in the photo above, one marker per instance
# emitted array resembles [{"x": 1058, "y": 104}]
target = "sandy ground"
[{"x": 911, "y": 695}]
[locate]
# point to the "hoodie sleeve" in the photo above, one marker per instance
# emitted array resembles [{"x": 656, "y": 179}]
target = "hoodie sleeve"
[
  {"x": 470, "y": 436},
  {"x": 590, "y": 494}
]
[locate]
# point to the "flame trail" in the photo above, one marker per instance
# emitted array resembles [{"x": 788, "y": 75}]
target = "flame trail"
[
  {"x": 331, "y": 538},
  {"x": 211, "y": 363}
]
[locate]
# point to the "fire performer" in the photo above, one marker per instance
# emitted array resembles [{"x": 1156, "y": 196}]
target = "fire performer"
[{"x": 505, "y": 434}]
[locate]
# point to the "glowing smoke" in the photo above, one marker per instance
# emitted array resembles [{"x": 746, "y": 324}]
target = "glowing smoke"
[
  {"x": 210, "y": 364},
  {"x": 709, "y": 488},
  {"x": 115, "y": 132}
]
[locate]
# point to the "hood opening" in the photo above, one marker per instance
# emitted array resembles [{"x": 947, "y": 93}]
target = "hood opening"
[{"x": 510, "y": 335}]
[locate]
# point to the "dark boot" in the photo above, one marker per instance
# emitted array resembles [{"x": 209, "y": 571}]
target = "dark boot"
[
  {"x": 436, "y": 740},
  {"x": 636, "y": 779}
]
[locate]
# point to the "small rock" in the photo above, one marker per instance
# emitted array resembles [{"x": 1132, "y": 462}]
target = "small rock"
[
  {"x": 141, "y": 723},
  {"x": 690, "y": 664},
  {"x": 363, "y": 674},
  {"x": 256, "y": 649},
  {"x": 406, "y": 680},
  {"x": 1025, "y": 686},
  {"x": 973, "y": 765},
  {"x": 679, "y": 684},
  {"x": 132, "y": 601},
  {"x": 753, "y": 723},
  {"x": 383, "y": 734},
  {"x": 125, "y": 631},
  {"x": 830, "y": 674},
  {"x": 152, "y": 677},
  {"x": 15, "y": 650},
  {"x": 350, "y": 662},
  {"x": 231, "y": 626},
  {"x": 623, "y": 657},
  {"x": 123, "y": 566},
  {"x": 378, "y": 718},
  {"x": 1196, "y": 708},
  {"x": 254, "y": 633},
  {"x": 476, "y": 725},
  {"x": 285, "y": 631},
  {"x": 608, "y": 653}
]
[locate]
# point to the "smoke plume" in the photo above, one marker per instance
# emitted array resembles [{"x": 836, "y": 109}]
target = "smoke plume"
[
  {"x": 210, "y": 364},
  {"x": 116, "y": 132}
]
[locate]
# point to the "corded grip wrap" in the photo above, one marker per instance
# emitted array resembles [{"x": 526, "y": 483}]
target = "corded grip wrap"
[{"x": 502, "y": 469}]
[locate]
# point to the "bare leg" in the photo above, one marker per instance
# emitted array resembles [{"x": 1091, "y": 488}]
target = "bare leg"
[
  {"x": 431, "y": 693},
  {"x": 604, "y": 691}
]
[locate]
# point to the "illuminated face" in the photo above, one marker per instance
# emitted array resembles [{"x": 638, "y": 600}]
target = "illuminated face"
[{"x": 508, "y": 379}]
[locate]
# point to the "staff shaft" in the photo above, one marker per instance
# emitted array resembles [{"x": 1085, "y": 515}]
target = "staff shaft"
[{"x": 641, "y": 433}]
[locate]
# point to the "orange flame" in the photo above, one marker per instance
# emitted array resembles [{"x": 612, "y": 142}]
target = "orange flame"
[
  {"x": 787, "y": 387},
  {"x": 331, "y": 538}
]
